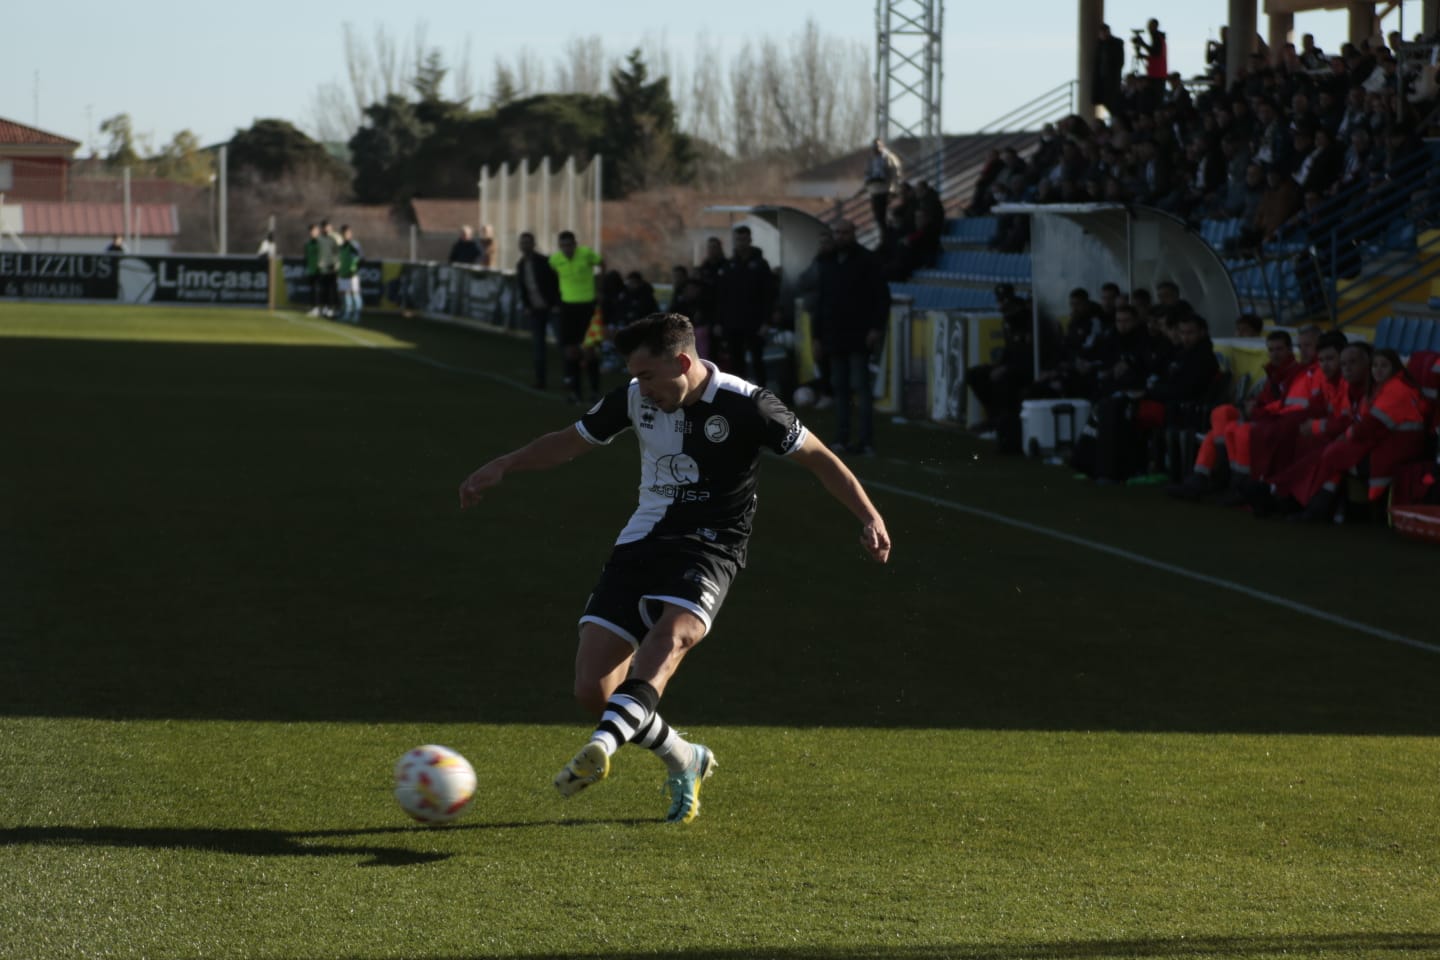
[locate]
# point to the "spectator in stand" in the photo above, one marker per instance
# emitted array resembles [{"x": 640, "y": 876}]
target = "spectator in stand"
[
  {"x": 981, "y": 200},
  {"x": 465, "y": 250},
  {"x": 1353, "y": 117},
  {"x": 1157, "y": 64},
  {"x": 1215, "y": 58},
  {"x": 1109, "y": 70},
  {"x": 575, "y": 267},
  {"x": 117, "y": 245},
  {"x": 1329, "y": 112},
  {"x": 312, "y": 268},
  {"x": 539, "y": 296},
  {"x": 1243, "y": 203},
  {"x": 1311, "y": 56},
  {"x": 746, "y": 298},
  {"x": 882, "y": 179},
  {"x": 1280, "y": 202},
  {"x": 637, "y": 300},
  {"x": 1249, "y": 326},
  {"x": 928, "y": 199},
  {"x": 852, "y": 311},
  {"x": 1360, "y": 164},
  {"x": 902, "y": 212},
  {"x": 1320, "y": 161}
]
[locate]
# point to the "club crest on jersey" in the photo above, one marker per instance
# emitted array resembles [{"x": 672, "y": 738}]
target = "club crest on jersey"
[{"x": 717, "y": 428}]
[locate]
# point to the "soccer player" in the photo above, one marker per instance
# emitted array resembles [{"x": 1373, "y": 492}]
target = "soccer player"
[{"x": 701, "y": 432}]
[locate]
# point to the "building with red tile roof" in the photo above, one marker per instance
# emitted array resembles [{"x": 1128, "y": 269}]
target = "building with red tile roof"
[{"x": 34, "y": 164}]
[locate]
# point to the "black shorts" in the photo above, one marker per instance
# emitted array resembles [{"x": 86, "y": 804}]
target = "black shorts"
[
  {"x": 574, "y": 321},
  {"x": 639, "y": 578}
]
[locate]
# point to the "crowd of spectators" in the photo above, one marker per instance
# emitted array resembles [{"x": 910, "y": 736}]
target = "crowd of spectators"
[{"x": 1298, "y": 127}]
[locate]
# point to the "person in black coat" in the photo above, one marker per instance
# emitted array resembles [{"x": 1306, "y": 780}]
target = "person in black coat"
[
  {"x": 539, "y": 294},
  {"x": 1109, "y": 70},
  {"x": 746, "y": 295},
  {"x": 852, "y": 309}
]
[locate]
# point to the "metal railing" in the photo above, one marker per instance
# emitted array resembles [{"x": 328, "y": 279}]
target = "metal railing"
[
  {"x": 1350, "y": 241},
  {"x": 955, "y": 170}
]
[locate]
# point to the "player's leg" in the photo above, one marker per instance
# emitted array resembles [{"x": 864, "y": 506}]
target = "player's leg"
[{"x": 665, "y": 645}]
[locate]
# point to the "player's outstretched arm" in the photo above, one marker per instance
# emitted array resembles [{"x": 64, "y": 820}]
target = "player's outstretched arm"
[
  {"x": 842, "y": 485},
  {"x": 542, "y": 453}
]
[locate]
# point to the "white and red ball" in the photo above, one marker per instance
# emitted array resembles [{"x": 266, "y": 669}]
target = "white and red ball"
[{"x": 434, "y": 784}]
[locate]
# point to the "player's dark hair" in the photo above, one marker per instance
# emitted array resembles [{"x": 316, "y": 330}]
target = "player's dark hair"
[
  {"x": 1282, "y": 336},
  {"x": 663, "y": 334},
  {"x": 566, "y": 235},
  {"x": 1333, "y": 340}
]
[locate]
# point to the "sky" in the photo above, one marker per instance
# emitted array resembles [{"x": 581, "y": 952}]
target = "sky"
[{"x": 69, "y": 64}]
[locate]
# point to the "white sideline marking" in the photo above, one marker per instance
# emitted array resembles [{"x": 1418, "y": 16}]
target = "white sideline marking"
[
  {"x": 1270, "y": 598},
  {"x": 1145, "y": 561}
]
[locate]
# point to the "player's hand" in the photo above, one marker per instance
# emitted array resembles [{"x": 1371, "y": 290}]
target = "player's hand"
[
  {"x": 876, "y": 540},
  {"x": 478, "y": 482}
]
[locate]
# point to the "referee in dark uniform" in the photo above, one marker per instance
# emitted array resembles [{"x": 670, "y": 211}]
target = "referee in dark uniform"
[{"x": 701, "y": 433}]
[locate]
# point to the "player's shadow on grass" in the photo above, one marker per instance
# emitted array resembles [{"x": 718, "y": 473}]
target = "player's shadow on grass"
[
  {"x": 1298, "y": 945},
  {"x": 273, "y": 843}
]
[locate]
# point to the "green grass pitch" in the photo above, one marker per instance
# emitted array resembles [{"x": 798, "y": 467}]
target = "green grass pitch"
[{"x": 235, "y": 586}]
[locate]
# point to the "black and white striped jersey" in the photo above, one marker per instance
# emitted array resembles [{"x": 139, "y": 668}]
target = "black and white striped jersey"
[{"x": 698, "y": 465}]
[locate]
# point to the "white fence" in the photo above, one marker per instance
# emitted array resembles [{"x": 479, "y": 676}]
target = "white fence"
[{"x": 532, "y": 197}]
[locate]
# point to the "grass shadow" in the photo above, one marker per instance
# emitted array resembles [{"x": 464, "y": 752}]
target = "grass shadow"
[
  {"x": 274, "y": 843},
  {"x": 249, "y": 532}
]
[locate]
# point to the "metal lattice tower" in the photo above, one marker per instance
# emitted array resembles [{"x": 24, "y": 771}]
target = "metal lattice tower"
[{"x": 908, "y": 72}]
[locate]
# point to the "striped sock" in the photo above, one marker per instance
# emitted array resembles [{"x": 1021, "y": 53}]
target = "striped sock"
[
  {"x": 630, "y": 708},
  {"x": 661, "y": 739}
]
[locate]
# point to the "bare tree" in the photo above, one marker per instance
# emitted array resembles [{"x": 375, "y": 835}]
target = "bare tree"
[
  {"x": 703, "y": 116},
  {"x": 818, "y": 92},
  {"x": 523, "y": 75},
  {"x": 374, "y": 71},
  {"x": 583, "y": 67}
]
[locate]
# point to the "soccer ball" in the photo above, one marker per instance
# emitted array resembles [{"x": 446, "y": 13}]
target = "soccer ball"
[
  {"x": 434, "y": 784},
  {"x": 803, "y": 397}
]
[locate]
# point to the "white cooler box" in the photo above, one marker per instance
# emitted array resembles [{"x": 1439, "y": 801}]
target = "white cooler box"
[{"x": 1049, "y": 425}]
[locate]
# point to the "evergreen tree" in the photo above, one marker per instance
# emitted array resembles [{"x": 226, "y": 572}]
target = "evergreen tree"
[{"x": 644, "y": 147}]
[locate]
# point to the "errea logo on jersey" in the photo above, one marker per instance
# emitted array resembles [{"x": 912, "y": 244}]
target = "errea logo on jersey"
[{"x": 717, "y": 428}]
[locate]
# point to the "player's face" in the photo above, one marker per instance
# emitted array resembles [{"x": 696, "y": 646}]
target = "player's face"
[
  {"x": 1279, "y": 351},
  {"x": 661, "y": 378}
]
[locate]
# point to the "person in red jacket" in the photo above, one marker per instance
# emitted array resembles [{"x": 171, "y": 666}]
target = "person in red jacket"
[
  {"x": 1388, "y": 433},
  {"x": 1276, "y": 397},
  {"x": 1262, "y": 449}
]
